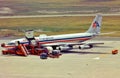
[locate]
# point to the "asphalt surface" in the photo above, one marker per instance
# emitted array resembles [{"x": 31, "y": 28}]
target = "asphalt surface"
[
  {"x": 35, "y": 16},
  {"x": 97, "y": 62}
]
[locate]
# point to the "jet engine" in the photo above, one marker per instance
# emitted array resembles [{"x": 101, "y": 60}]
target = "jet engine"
[
  {"x": 49, "y": 49},
  {"x": 63, "y": 48},
  {"x": 85, "y": 46}
]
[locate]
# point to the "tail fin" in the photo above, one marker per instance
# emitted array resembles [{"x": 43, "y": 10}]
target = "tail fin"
[{"x": 96, "y": 25}]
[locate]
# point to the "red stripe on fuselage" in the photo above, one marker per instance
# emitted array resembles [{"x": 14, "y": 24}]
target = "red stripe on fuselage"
[{"x": 68, "y": 40}]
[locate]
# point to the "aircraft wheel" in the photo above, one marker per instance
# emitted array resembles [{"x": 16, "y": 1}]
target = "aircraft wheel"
[
  {"x": 91, "y": 46},
  {"x": 43, "y": 56}
]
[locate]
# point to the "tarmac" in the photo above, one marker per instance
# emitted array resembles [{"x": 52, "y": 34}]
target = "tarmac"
[
  {"x": 63, "y": 15},
  {"x": 97, "y": 62}
]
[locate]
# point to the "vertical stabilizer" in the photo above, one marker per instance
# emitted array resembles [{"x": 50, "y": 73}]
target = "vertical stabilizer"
[{"x": 96, "y": 25}]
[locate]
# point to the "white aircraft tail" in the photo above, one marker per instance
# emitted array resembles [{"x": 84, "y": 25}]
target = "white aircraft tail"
[{"x": 96, "y": 25}]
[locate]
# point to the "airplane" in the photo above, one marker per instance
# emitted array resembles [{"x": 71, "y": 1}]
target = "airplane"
[{"x": 64, "y": 42}]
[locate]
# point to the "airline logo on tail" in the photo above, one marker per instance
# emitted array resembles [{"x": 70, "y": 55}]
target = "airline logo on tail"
[{"x": 95, "y": 24}]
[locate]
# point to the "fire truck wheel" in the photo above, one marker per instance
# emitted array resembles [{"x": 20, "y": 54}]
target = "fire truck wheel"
[{"x": 43, "y": 56}]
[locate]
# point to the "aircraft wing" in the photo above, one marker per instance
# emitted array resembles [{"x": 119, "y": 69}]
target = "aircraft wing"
[
  {"x": 61, "y": 44},
  {"x": 94, "y": 43},
  {"x": 71, "y": 44}
]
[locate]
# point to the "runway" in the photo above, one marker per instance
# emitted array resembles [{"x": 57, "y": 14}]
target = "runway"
[
  {"x": 97, "y": 62},
  {"x": 63, "y": 15}
]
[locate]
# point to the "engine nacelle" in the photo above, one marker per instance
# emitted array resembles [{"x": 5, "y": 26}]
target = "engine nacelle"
[
  {"x": 50, "y": 49},
  {"x": 63, "y": 48},
  {"x": 85, "y": 46}
]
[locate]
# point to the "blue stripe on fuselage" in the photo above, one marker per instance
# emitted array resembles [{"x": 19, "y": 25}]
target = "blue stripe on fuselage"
[
  {"x": 89, "y": 37},
  {"x": 65, "y": 38}
]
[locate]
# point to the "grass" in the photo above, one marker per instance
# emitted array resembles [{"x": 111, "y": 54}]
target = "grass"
[
  {"x": 57, "y": 25},
  {"x": 36, "y": 7}
]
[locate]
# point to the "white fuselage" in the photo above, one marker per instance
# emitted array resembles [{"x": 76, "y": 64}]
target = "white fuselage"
[{"x": 43, "y": 39}]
